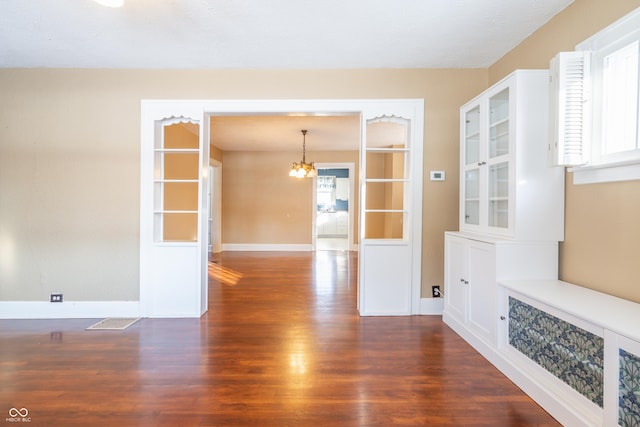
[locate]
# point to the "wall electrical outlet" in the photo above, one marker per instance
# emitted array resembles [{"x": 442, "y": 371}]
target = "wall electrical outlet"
[
  {"x": 435, "y": 291},
  {"x": 56, "y": 298}
]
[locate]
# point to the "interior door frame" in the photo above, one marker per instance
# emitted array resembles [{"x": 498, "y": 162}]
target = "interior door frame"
[
  {"x": 204, "y": 109},
  {"x": 216, "y": 205},
  {"x": 389, "y": 269},
  {"x": 352, "y": 196}
]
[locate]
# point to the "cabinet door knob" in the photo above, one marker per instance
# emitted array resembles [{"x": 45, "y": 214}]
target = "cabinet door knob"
[{"x": 502, "y": 317}]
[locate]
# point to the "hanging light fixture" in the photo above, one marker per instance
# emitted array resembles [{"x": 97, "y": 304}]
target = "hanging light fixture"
[{"x": 303, "y": 169}]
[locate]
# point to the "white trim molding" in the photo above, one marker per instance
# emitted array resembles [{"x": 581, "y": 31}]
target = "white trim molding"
[
  {"x": 182, "y": 280},
  {"x": 68, "y": 309},
  {"x": 592, "y": 174},
  {"x": 431, "y": 306}
]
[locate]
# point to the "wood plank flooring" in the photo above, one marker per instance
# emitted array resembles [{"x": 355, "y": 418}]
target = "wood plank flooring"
[{"x": 281, "y": 345}]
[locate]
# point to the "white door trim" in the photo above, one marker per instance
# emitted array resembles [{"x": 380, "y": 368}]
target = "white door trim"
[
  {"x": 392, "y": 280},
  {"x": 352, "y": 196},
  {"x": 216, "y": 206}
]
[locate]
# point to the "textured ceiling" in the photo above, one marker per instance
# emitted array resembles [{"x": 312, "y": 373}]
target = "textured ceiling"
[{"x": 267, "y": 33}]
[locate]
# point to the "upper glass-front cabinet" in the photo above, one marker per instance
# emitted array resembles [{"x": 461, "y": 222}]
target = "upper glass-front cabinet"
[
  {"x": 486, "y": 140},
  {"x": 503, "y": 163}
]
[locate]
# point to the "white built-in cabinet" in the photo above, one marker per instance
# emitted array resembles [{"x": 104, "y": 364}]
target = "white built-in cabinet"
[
  {"x": 511, "y": 200},
  {"x": 470, "y": 274},
  {"x": 574, "y": 351},
  {"x": 507, "y": 187},
  {"x": 473, "y": 266}
]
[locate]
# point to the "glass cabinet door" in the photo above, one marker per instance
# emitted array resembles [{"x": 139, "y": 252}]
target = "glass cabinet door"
[
  {"x": 486, "y": 156},
  {"x": 498, "y": 215},
  {"x": 499, "y": 124},
  {"x": 472, "y": 197},
  {"x": 471, "y": 203},
  {"x": 498, "y": 160},
  {"x": 472, "y": 136}
]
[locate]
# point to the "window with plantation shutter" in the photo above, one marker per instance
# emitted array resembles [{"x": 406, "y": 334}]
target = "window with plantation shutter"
[
  {"x": 569, "y": 117},
  {"x": 596, "y": 113}
]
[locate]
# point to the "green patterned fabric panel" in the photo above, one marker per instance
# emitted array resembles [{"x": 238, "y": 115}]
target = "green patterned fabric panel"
[
  {"x": 629, "y": 393},
  {"x": 572, "y": 354}
]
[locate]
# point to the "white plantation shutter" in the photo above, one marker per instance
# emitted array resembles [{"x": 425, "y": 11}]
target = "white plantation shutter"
[{"x": 569, "y": 110}]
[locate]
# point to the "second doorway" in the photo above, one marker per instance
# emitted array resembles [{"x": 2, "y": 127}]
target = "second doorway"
[{"x": 333, "y": 207}]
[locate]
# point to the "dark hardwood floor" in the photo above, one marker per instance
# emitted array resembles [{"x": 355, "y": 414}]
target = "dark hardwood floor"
[{"x": 281, "y": 345}]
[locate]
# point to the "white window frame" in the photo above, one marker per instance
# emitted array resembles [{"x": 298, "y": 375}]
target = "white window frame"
[{"x": 619, "y": 166}]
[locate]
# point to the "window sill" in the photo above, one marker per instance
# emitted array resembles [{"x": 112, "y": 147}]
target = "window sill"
[{"x": 610, "y": 172}]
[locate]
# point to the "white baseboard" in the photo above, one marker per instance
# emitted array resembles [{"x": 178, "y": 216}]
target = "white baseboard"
[
  {"x": 68, "y": 309},
  {"x": 287, "y": 247},
  {"x": 431, "y": 306}
]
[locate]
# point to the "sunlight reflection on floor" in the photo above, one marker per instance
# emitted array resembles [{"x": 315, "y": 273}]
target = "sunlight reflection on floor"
[{"x": 224, "y": 275}]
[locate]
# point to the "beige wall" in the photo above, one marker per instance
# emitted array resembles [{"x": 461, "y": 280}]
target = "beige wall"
[
  {"x": 602, "y": 235},
  {"x": 69, "y": 186},
  {"x": 262, "y": 204},
  {"x": 70, "y": 154},
  {"x": 579, "y": 21},
  {"x": 215, "y": 153}
]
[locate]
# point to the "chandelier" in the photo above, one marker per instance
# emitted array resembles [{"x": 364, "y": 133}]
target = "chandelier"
[{"x": 303, "y": 169}]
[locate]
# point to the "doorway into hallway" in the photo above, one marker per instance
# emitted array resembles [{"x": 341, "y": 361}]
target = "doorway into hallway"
[{"x": 333, "y": 207}]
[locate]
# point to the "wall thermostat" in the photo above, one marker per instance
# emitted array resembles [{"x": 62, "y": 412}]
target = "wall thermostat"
[{"x": 437, "y": 175}]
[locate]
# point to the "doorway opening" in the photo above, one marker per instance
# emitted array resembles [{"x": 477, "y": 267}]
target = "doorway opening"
[
  {"x": 173, "y": 269},
  {"x": 333, "y": 206}
]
